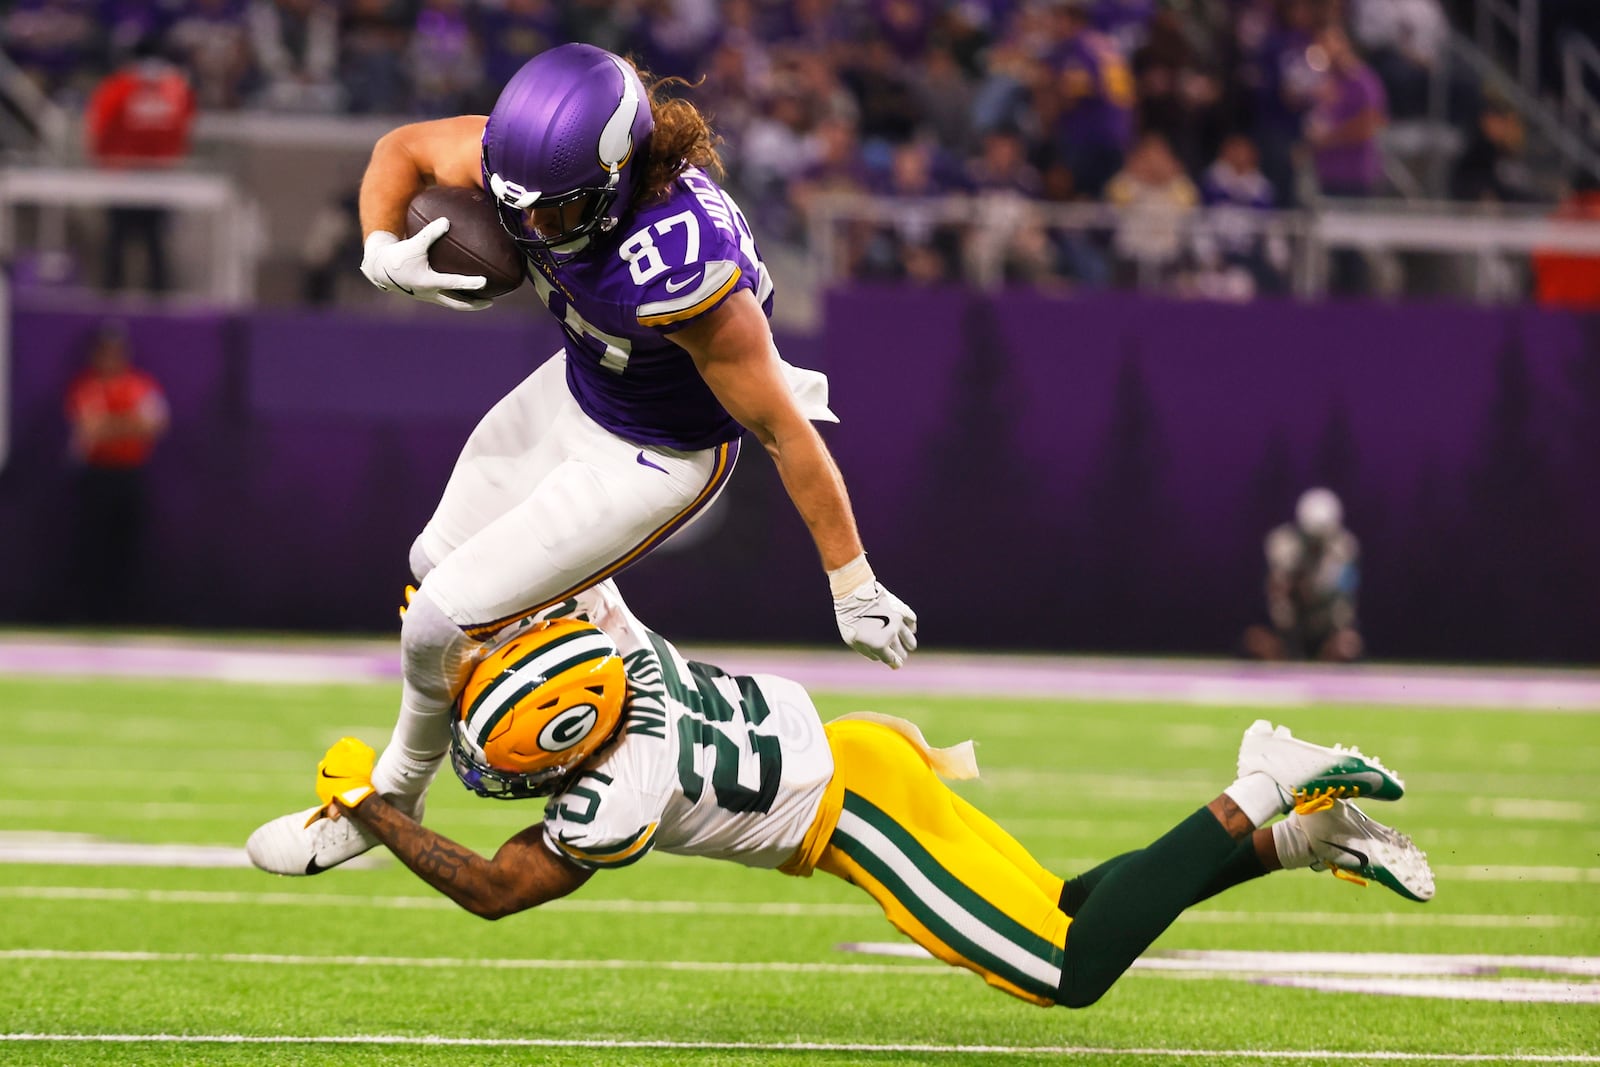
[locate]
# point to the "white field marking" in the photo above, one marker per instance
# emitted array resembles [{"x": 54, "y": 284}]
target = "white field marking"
[
  {"x": 1335, "y": 919},
  {"x": 87, "y": 851},
  {"x": 244, "y": 813},
  {"x": 1310, "y": 964},
  {"x": 1368, "y": 964},
  {"x": 1582, "y": 875},
  {"x": 468, "y": 963},
  {"x": 1532, "y": 810},
  {"x": 433, "y": 1041},
  {"x": 752, "y": 908},
  {"x": 435, "y": 903},
  {"x": 1223, "y": 963},
  {"x": 1501, "y": 991}
]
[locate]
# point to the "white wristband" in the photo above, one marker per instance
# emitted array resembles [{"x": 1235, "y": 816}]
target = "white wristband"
[{"x": 852, "y": 576}]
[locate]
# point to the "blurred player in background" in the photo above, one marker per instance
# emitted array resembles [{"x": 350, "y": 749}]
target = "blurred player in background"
[
  {"x": 116, "y": 413},
  {"x": 139, "y": 118},
  {"x": 640, "y": 749},
  {"x": 1312, "y": 579},
  {"x": 622, "y": 438}
]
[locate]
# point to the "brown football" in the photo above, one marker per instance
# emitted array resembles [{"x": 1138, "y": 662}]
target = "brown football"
[{"x": 476, "y": 243}]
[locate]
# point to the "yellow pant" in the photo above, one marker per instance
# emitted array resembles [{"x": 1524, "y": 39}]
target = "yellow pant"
[{"x": 944, "y": 873}]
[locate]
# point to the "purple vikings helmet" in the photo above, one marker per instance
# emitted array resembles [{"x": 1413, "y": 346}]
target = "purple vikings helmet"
[{"x": 563, "y": 140}]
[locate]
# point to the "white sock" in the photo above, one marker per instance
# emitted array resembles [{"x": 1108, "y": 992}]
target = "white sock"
[
  {"x": 1258, "y": 796},
  {"x": 1293, "y": 849},
  {"x": 399, "y": 777},
  {"x": 416, "y": 751}
]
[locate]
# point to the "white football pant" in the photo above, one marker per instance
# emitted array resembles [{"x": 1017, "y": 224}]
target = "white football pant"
[{"x": 542, "y": 504}]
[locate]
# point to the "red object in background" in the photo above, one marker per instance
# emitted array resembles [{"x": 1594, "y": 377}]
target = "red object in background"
[
  {"x": 123, "y": 394},
  {"x": 1565, "y": 279},
  {"x": 140, "y": 116}
]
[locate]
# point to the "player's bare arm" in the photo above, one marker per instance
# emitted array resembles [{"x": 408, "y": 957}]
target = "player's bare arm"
[
  {"x": 409, "y": 158},
  {"x": 523, "y": 873},
  {"x": 732, "y": 347}
]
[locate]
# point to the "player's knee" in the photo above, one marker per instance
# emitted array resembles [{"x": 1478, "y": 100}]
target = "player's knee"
[
  {"x": 1081, "y": 985},
  {"x": 435, "y": 653},
  {"x": 420, "y": 563}
]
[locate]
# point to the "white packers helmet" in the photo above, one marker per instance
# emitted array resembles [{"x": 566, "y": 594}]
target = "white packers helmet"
[
  {"x": 1318, "y": 513},
  {"x": 535, "y": 708}
]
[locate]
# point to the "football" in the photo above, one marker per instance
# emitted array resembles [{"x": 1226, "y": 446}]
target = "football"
[{"x": 476, "y": 243}]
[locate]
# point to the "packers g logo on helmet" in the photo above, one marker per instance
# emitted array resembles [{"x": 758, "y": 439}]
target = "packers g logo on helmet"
[{"x": 537, "y": 707}]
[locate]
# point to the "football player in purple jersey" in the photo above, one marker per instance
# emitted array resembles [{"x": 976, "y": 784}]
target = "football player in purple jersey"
[{"x": 621, "y": 438}]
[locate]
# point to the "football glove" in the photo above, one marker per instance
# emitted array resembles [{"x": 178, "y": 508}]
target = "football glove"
[
  {"x": 877, "y": 624},
  {"x": 390, "y": 263},
  {"x": 345, "y": 774}
]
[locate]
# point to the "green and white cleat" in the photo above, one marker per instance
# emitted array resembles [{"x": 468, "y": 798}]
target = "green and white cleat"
[
  {"x": 1358, "y": 849},
  {"x": 1304, "y": 770}
]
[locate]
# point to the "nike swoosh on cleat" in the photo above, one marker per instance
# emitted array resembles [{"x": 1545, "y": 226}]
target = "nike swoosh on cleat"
[
  {"x": 313, "y": 867},
  {"x": 644, "y": 462},
  {"x": 397, "y": 285},
  {"x": 1361, "y": 857},
  {"x": 681, "y": 285}
]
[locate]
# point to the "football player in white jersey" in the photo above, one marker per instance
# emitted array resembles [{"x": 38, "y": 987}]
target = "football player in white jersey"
[
  {"x": 1313, "y": 575},
  {"x": 639, "y": 749},
  {"x": 623, "y": 437}
]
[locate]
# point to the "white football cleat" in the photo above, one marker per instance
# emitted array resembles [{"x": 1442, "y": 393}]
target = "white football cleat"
[
  {"x": 287, "y": 845},
  {"x": 1343, "y": 840},
  {"x": 1302, "y": 769}
]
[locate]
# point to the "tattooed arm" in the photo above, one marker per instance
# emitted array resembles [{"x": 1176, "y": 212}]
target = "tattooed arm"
[{"x": 523, "y": 874}]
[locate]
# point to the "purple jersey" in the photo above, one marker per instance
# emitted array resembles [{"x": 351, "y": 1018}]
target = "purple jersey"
[{"x": 663, "y": 267}]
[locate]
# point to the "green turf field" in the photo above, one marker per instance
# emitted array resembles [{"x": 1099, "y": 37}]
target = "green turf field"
[{"x": 690, "y": 961}]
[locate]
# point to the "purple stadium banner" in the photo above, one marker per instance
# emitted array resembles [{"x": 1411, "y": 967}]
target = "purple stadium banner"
[{"x": 1028, "y": 471}]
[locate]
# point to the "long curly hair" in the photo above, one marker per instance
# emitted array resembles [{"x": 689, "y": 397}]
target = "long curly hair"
[{"x": 682, "y": 139}]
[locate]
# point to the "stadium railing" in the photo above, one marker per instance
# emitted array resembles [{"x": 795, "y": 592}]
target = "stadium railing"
[
  {"x": 1487, "y": 248},
  {"x": 232, "y": 243}
]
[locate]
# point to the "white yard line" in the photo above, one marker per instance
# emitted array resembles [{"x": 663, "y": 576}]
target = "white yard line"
[
  {"x": 1084, "y": 1051},
  {"x": 1203, "y": 916},
  {"x": 1384, "y": 974}
]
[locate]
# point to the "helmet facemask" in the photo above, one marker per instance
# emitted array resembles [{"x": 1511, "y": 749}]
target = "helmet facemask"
[{"x": 568, "y": 219}]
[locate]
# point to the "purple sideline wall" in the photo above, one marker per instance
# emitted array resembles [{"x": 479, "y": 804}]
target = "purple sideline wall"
[{"x": 1029, "y": 472}]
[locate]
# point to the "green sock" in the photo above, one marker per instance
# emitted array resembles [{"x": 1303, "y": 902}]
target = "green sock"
[
  {"x": 1241, "y": 867},
  {"x": 1135, "y": 899}
]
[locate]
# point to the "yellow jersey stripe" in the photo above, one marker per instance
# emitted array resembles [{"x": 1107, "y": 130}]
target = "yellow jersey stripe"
[
  {"x": 719, "y": 472},
  {"x": 690, "y": 312}
]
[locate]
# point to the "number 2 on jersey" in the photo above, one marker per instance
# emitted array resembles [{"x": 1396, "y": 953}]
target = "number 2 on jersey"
[{"x": 727, "y": 728}]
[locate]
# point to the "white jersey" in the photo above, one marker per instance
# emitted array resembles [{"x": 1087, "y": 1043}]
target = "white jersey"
[{"x": 708, "y": 764}]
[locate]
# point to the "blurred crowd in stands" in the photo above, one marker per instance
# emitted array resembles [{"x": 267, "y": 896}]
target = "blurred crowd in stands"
[{"x": 1153, "y": 106}]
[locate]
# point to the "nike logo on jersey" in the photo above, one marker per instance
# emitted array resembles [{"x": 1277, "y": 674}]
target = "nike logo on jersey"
[
  {"x": 643, "y": 462},
  {"x": 397, "y": 285},
  {"x": 679, "y": 286},
  {"x": 1360, "y": 857}
]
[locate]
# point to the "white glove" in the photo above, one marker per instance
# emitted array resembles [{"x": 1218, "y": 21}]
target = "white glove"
[
  {"x": 390, "y": 263},
  {"x": 877, "y": 624}
]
